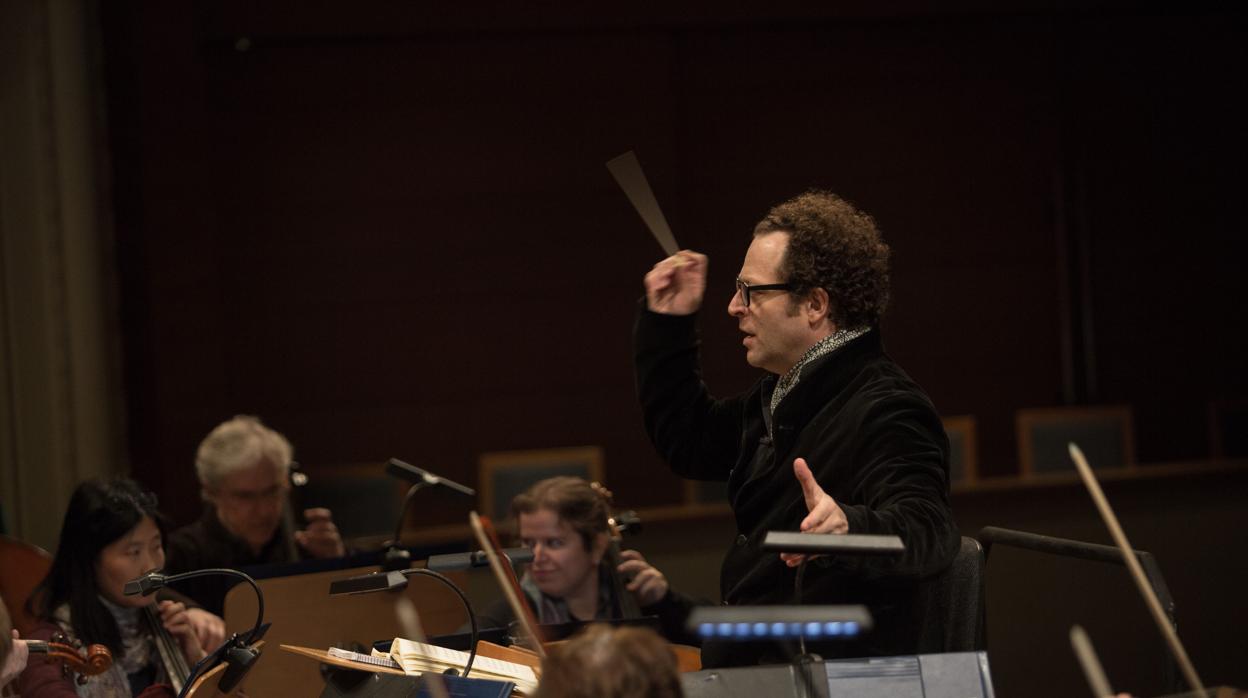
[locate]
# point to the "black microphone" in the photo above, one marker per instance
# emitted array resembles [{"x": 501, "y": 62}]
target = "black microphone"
[
  {"x": 461, "y": 561},
  {"x": 146, "y": 585},
  {"x": 237, "y": 651},
  {"x": 396, "y": 558},
  {"x": 420, "y": 476}
]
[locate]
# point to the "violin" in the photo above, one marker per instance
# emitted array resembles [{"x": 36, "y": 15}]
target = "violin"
[{"x": 95, "y": 660}]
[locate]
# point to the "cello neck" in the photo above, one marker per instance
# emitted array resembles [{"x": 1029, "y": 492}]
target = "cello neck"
[
  {"x": 626, "y": 602},
  {"x": 167, "y": 648},
  {"x": 617, "y": 523},
  {"x": 293, "y": 503}
]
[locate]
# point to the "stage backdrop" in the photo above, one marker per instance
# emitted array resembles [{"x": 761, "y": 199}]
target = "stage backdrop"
[{"x": 390, "y": 232}]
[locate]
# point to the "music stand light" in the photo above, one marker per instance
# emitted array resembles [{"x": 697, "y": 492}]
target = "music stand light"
[
  {"x": 755, "y": 623},
  {"x": 833, "y": 543}
]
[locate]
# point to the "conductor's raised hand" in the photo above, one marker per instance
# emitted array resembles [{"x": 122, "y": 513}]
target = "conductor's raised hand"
[
  {"x": 825, "y": 515},
  {"x": 676, "y": 285}
]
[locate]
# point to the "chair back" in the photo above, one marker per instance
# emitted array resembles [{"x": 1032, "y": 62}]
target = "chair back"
[
  {"x": 953, "y": 603},
  {"x": 963, "y": 449},
  {"x": 505, "y": 474},
  {"x": 1106, "y": 435},
  {"x": 1080, "y": 550}
]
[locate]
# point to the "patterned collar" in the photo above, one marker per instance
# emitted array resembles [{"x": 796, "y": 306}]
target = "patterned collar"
[
  {"x": 823, "y": 347},
  {"x": 136, "y": 638}
]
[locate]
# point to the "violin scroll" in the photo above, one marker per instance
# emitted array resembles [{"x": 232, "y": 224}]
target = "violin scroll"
[{"x": 96, "y": 660}]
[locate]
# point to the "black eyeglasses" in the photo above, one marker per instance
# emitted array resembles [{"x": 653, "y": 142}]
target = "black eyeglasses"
[{"x": 746, "y": 289}]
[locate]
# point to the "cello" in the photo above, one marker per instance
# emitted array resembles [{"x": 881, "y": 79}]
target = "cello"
[
  {"x": 293, "y": 502},
  {"x": 688, "y": 658},
  {"x": 22, "y": 567},
  {"x": 618, "y": 523},
  {"x": 167, "y": 649}
]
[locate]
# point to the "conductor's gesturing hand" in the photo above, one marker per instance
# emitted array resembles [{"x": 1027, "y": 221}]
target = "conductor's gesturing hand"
[
  {"x": 676, "y": 285},
  {"x": 825, "y": 514}
]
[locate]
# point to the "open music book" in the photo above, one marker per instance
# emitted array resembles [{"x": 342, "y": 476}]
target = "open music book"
[{"x": 418, "y": 657}]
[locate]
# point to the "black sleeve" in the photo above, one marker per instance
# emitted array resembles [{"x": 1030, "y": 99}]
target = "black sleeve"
[
  {"x": 696, "y": 434},
  {"x": 181, "y": 552},
  {"x": 902, "y": 488},
  {"x": 185, "y": 552},
  {"x": 673, "y": 612}
]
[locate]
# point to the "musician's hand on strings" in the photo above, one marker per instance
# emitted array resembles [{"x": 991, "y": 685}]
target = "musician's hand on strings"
[
  {"x": 208, "y": 627},
  {"x": 825, "y": 514},
  {"x": 175, "y": 619},
  {"x": 321, "y": 537},
  {"x": 15, "y": 662},
  {"x": 675, "y": 286},
  {"x": 648, "y": 583}
]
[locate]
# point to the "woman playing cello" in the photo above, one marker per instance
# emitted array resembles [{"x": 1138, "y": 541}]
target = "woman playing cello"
[
  {"x": 565, "y": 521},
  {"x": 112, "y": 534}
]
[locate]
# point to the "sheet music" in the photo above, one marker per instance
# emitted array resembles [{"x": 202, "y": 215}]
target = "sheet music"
[
  {"x": 419, "y": 657},
  {"x": 376, "y": 660}
]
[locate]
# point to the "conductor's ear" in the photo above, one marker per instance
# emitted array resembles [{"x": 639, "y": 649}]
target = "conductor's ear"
[{"x": 818, "y": 307}]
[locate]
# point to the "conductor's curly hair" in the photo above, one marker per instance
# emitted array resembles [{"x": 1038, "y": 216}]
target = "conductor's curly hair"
[{"x": 836, "y": 247}]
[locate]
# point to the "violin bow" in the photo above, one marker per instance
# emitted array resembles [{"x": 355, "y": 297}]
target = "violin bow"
[
  {"x": 487, "y": 538},
  {"x": 1137, "y": 572}
]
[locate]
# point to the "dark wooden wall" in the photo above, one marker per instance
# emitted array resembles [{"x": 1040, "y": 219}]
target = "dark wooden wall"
[{"x": 389, "y": 231}]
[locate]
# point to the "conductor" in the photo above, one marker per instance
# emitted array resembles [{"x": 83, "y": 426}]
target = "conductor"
[{"x": 833, "y": 438}]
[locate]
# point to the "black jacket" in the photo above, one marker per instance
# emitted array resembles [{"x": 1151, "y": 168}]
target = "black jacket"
[
  {"x": 873, "y": 441},
  {"x": 206, "y": 543}
]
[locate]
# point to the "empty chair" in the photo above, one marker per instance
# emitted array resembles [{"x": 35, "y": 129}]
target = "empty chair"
[
  {"x": 1105, "y": 434},
  {"x": 953, "y": 603},
  {"x": 505, "y": 474},
  {"x": 991, "y": 536},
  {"x": 963, "y": 448}
]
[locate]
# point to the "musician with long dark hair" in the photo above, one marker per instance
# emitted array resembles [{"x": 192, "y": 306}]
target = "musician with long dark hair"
[{"x": 112, "y": 534}]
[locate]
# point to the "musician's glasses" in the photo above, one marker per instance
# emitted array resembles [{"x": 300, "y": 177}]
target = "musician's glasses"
[
  {"x": 252, "y": 497},
  {"x": 746, "y": 289}
]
